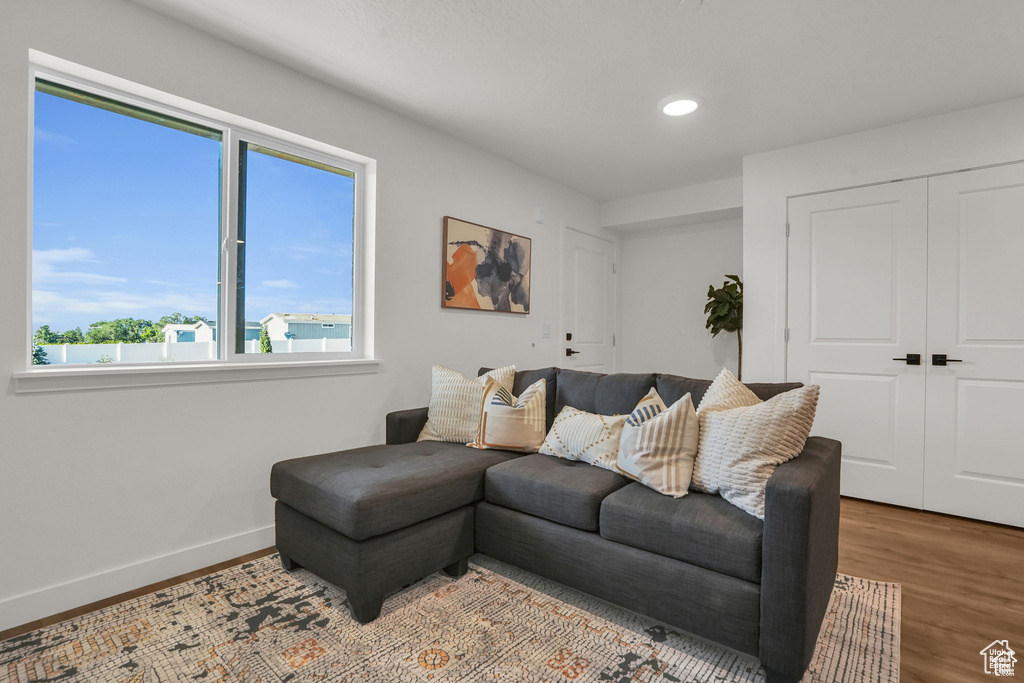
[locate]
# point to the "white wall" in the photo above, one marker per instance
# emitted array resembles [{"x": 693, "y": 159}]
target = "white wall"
[
  {"x": 713, "y": 201},
  {"x": 664, "y": 282},
  {"x": 981, "y": 136},
  {"x": 142, "y": 484}
]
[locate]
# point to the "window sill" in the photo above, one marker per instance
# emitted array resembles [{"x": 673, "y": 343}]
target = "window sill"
[{"x": 89, "y": 378}]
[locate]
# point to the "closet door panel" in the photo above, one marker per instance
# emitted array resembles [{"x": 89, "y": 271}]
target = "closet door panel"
[
  {"x": 975, "y": 418},
  {"x": 857, "y": 274}
]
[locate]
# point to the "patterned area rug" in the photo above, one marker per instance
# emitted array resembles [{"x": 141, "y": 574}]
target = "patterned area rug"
[{"x": 256, "y": 622}]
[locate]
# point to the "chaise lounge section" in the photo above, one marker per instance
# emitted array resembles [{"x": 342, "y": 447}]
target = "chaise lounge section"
[{"x": 374, "y": 519}]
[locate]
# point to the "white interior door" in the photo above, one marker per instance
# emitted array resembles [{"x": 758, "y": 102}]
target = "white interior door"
[
  {"x": 975, "y": 435},
  {"x": 857, "y": 277},
  {"x": 588, "y": 306}
]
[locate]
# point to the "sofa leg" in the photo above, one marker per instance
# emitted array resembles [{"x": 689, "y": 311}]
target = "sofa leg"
[
  {"x": 365, "y": 611},
  {"x": 288, "y": 563},
  {"x": 773, "y": 676},
  {"x": 457, "y": 569}
]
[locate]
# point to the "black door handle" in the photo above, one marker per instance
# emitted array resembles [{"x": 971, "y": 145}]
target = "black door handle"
[
  {"x": 911, "y": 359},
  {"x": 940, "y": 359},
  {"x": 570, "y": 352}
]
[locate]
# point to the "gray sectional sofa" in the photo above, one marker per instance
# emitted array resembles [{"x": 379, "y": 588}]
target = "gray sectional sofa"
[{"x": 372, "y": 520}]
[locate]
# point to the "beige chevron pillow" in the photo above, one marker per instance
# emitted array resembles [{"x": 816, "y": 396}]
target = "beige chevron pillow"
[
  {"x": 579, "y": 435},
  {"x": 659, "y": 444},
  {"x": 455, "y": 402},
  {"x": 741, "y": 445},
  {"x": 512, "y": 424}
]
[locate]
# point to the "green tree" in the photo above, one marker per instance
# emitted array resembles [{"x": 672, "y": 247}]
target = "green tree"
[
  {"x": 265, "y": 345},
  {"x": 126, "y": 330},
  {"x": 725, "y": 313},
  {"x": 74, "y": 336},
  {"x": 44, "y": 335},
  {"x": 39, "y": 355}
]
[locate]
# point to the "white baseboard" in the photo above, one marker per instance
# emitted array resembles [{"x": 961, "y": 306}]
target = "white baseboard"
[{"x": 44, "y": 602}]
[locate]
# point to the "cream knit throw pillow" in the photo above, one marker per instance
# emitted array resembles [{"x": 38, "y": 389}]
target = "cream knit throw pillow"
[
  {"x": 455, "y": 402},
  {"x": 659, "y": 444},
  {"x": 579, "y": 435},
  {"x": 743, "y": 440}
]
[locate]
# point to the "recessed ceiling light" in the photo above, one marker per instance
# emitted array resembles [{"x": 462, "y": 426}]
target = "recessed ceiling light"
[{"x": 679, "y": 106}]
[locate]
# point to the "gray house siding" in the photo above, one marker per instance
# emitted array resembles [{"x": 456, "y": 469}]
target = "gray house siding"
[{"x": 316, "y": 330}]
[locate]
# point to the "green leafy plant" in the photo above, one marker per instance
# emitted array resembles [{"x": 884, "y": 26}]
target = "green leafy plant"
[
  {"x": 265, "y": 345},
  {"x": 725, "y": 313}
]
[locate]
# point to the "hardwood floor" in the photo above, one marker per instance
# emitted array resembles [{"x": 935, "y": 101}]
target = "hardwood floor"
[{"x": 963, "y": 585}]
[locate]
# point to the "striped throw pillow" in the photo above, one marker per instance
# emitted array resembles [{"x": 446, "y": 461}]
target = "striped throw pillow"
[
  {"x": 455, "y": 401},
  {"x": 579, "y": 435},
  {"x": 740, "y": 447},
  {"x": 512, "y": 424},
  {"x": 659, "y": 444}
]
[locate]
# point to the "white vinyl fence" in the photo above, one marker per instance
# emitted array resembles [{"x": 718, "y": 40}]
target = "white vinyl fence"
[{"x": 67, "y": 354}]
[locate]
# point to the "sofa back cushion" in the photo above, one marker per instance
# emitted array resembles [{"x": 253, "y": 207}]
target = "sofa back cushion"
[
  {"x": 615, "y": 394},
  {"x": 618, "y": 394},
  {"x": 671, "y": 388}
]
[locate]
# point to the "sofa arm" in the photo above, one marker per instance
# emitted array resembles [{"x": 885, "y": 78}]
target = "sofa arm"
[
  {"x": 800, "y": 554},
  {"x": 404, "y": 426}
]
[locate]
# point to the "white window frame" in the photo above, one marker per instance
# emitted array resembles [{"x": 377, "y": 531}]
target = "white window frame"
[
  {"x": 229, "y": 252},
  {"x": 230, "y": 366}
]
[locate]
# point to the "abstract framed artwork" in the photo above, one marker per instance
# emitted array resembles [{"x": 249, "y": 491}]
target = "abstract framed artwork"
[{"x": 485, "y": 269}]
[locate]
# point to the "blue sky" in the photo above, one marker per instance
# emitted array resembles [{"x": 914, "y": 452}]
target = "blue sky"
[{"x": 125, "y": 224}]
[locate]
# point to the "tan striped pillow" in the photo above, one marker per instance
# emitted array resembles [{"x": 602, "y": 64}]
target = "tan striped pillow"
[
  {"x": 455, "y": 401},
  {"x": 512, "y": 424},
  {"x": 579, "y": 435},
  {"x": 659, "y": 444}
]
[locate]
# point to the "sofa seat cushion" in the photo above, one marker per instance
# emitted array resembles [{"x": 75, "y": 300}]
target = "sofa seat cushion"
[
  {"x": 701, "y": 529},
  {"x": 370, "y": 491},
  {"x": 565, "y": 491}
]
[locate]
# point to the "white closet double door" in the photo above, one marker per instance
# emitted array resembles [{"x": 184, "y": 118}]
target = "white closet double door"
[{"x": 928, "y": 270}]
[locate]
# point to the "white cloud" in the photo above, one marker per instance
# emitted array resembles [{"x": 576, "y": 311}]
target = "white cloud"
[
  {"x": 280, "y": 284},
  {"x": 118, "y": 304},
  {"x": 44, "y": 262},
  {"x": 258, "y": 306},
  {"x": 320, "y": 249},
  {"x": 50, "y": 138},
  {"x": 71, "y": 254}
]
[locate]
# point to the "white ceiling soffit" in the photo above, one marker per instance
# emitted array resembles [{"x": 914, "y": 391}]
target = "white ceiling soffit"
[{"x": 569, "y": 88}]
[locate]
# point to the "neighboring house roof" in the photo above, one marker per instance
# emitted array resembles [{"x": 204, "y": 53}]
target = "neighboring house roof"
[
  {"x": 249, "y": 324},
  {"x": 309, "y": 318},
  {"x": 182, "y": 327}
]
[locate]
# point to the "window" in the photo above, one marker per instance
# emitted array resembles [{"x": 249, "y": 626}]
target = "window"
[{"x": 161, "y": 236}]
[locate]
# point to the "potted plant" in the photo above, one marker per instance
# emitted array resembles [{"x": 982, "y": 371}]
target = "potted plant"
[{"x": 725, "y": 313}]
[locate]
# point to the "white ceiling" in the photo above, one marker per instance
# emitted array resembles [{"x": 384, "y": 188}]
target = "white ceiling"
[{"x": 569, "y": 88}]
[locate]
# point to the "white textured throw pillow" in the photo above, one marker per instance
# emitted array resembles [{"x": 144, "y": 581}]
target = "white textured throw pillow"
[
  {"x": 512, "y": 424},
  {"x": 659, "y": 444},
  {"x": 579, "y": 435},
  {"x": 740, "y": 446},
  {"x": 727, "y": 392},
  {"x": 455, "y": 402}
]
